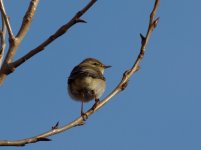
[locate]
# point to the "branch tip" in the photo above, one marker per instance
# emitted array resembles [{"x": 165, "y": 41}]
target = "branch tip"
[
  {"x": 142, "y": 38},
  {"x": 155, "y": 23},
  {"x": 56, "y": 126},
  {"x": 43, "y": 139},
  {"x": 80, "y": 20}
]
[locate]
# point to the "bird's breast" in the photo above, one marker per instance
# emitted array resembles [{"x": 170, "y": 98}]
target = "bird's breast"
[{"x": 97, "y": 85}]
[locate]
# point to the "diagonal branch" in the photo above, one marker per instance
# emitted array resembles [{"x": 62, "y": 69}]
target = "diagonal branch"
[
  {"x": 6, "y": 19},
  {"x": 62, "y": 30},
  {"x": 121, "y": 86},
  {"x": 2, "y": 39}
]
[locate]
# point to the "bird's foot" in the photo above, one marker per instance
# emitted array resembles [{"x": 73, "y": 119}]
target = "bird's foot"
[{"x": 84, "y": 116}]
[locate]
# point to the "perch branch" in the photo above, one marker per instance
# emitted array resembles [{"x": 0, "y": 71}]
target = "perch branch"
[
  {"x": 2, "y": 39},
  {"x": 63, "y": 29},
  {"x": 6, "y": 19},
  {"x": 122, "y": 85},
  {"x": 14, "y": 42}
]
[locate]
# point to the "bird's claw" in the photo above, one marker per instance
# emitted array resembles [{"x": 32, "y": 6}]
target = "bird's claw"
[{"x": 84, "y": 116}]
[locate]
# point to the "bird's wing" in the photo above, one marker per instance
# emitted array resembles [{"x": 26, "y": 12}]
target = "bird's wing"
[{"x": 84, "y": 71}]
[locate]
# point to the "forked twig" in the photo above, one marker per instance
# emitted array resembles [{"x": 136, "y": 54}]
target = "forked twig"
[
  {"x": 14, "y": 42},
  {"x": 9, "y": 66},
  {"x": 122, "y": 85}
]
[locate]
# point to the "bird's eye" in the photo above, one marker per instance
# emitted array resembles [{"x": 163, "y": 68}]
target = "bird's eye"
[{"x": 96, "y": 64}]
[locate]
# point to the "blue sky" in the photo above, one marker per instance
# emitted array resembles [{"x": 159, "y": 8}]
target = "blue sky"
[{"x": 160, "y": 108}]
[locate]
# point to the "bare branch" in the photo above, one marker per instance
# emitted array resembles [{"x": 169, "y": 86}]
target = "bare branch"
[
  {"x": 2, "y": 39},
  {"x": 27, "y": 19},
  {"x": 14, "y": 42},
  {"x": 56, "y": 126},
  {"x": 9, "y": 67},
  {"x": 63, "y": 29},
  {"x": 6, "y": 19},
  {"x": 121, "y": 86}
]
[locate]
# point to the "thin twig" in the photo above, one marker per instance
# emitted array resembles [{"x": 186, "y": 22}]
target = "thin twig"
[
  {"x": 63, "y": 29},
  {"x": 119, "y": 88},
  {"x": 6, "y": 19},
  {"x": 14, "y": 42},
  {"x": 2, "y": 39}
]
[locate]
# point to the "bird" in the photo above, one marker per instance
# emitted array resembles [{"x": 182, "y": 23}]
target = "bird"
[{"x": 87, "y": 82}]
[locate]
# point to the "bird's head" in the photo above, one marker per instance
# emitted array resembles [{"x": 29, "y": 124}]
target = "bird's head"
[{"x": 95, "y": 63}]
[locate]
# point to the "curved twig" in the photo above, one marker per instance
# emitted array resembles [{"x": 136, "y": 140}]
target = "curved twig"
[{"x": 121, "y": 86}]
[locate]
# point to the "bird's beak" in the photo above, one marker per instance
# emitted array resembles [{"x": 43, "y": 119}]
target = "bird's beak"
[{"x": 105, "y": 67}]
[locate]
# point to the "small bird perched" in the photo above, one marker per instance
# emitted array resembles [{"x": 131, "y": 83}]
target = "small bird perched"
[{"x": 86, "y": 81}]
